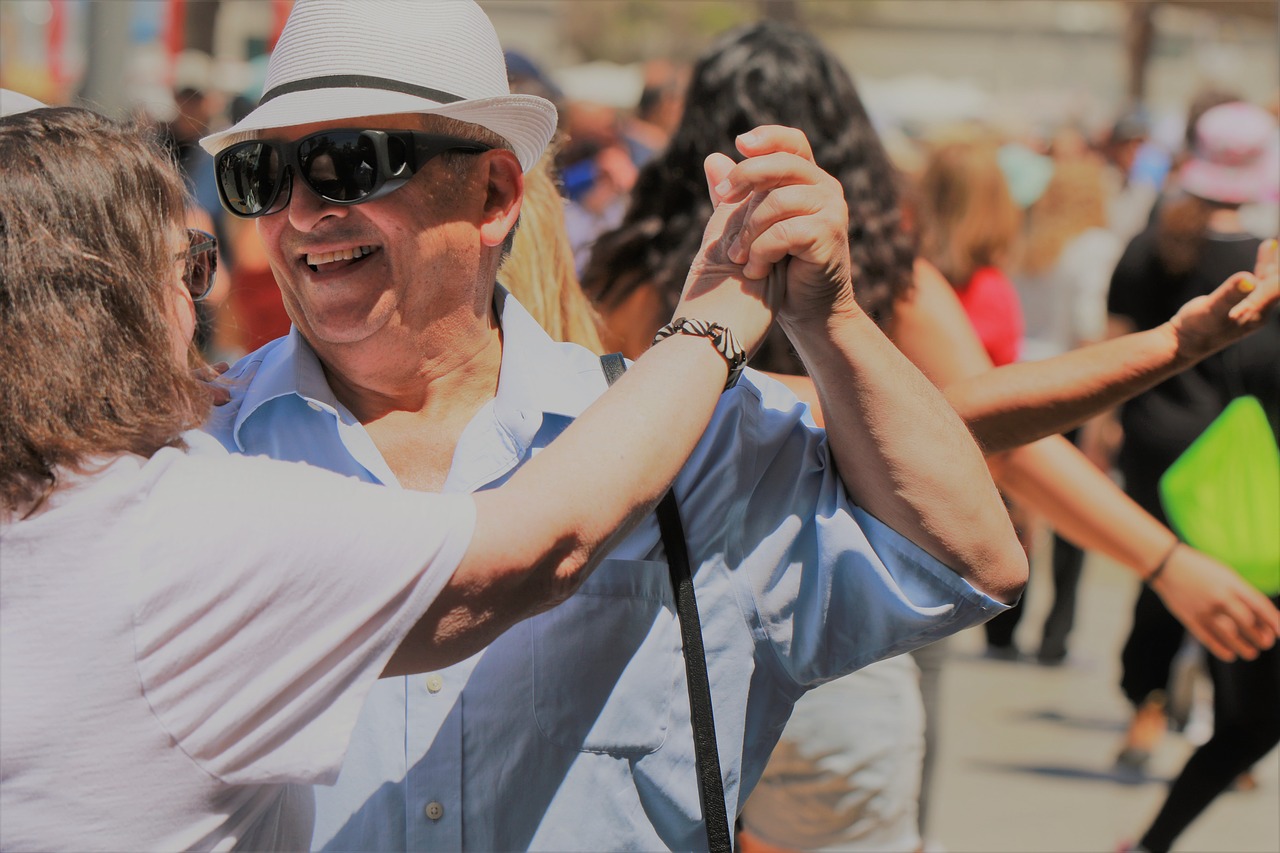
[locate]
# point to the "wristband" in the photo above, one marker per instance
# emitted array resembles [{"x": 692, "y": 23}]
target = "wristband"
[
  {"x": 721, "y": 338},
  {"x": 1160, "y": 566}
]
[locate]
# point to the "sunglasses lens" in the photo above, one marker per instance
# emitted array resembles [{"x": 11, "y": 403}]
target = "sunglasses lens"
[
  {"x": 249, "y": 177},
  {"x": 341, "y": 166},
  {"x": 202, "y": 263}
]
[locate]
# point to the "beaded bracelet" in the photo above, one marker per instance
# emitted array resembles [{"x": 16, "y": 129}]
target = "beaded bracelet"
[
  {"x": 723, "y": 340},
  {"x": 1160, "y": 566}
]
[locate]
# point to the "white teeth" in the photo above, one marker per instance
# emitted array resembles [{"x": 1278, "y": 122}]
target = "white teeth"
[{"x": 315, "y": 259}]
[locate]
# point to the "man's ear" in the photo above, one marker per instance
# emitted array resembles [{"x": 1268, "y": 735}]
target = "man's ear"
[{"x": 504, "y": 192}]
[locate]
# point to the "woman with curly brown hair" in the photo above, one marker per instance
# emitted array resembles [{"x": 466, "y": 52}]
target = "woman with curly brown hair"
[{"x": 770, "y": 73}]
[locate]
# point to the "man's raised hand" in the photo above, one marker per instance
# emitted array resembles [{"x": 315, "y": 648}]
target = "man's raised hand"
[{"x": 796, "y": 220}]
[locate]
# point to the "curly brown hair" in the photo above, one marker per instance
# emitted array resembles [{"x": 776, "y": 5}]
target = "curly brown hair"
[
  {"x": 86, "y": 260},
  {"x": 765, "y": 73}
]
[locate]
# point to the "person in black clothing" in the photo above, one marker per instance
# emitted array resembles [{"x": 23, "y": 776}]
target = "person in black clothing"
[
  {"x": 1246, "y": 692},
  {"x": 1196, "y": 242}
]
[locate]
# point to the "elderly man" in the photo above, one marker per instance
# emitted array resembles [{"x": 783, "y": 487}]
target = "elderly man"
[{"x": 384, "y": 166}]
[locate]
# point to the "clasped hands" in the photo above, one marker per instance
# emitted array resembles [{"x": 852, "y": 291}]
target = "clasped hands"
[{"x": 777, "y": 241}]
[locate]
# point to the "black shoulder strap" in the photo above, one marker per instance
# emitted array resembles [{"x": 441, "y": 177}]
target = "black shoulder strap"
[
  {"x": 613, "y": 365},
  {"x": 710, "y": 786}
]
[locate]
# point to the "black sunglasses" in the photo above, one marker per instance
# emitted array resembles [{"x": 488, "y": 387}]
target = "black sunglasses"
[
  {"x": 200, "y": 263},
  {"x": 340, "y": 166}
]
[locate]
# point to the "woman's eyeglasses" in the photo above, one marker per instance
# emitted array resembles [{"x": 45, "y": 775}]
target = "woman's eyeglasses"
[
  {"x": 340, "y": 166},
  {"x": 200, "y": 263}
]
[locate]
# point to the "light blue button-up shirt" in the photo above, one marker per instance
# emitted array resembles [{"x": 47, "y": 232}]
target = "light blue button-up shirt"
[{"x": 572, "y": 730}]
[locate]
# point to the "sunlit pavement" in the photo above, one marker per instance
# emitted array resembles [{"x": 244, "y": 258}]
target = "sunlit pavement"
[{"x": 1025, "y": 761}]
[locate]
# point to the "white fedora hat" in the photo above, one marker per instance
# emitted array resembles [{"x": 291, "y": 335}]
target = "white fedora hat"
[
  {"x": 12, "y": 103},
  {"x": 340, "y": 59}
]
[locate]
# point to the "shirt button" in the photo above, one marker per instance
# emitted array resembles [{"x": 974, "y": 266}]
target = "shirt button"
[
  {"x": 434, "y": 811},
  {"x": 434, "y": 683},
  {"x": 314, "y": 406}
]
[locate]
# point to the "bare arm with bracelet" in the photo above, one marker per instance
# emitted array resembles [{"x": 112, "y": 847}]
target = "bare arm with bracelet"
[{"x": 1215, "y": 604}]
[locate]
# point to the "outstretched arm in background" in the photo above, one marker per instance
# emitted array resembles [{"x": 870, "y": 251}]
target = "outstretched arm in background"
[
  {"x": 1217, "y": 606},
  {"x": 1018, "y": 403},
  {"x": 904, "y": 455}
]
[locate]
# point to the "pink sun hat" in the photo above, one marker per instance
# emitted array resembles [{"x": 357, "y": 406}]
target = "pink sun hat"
[
  {"x": 1236, "y": 158},
  {"x": 342, "y": 59}
]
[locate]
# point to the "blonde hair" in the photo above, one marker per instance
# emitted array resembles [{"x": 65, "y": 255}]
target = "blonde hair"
[
  {"x": 1073, "y": 202},
  {"x": 540, "y": 272},
  {"x": 969, "y": 218}
]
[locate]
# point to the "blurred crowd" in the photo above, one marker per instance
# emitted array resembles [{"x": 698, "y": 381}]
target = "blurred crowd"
[
  {"x": 1052, "y": 239},
  {"x": 1094, "y": 188}
]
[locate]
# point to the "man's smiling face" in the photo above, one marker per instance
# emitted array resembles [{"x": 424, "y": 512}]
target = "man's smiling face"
[{"x": 403, "y": 261}]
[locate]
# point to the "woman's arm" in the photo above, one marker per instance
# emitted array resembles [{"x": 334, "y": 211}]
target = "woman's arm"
[
  {"x": 1211, "y": 600},
  {"x": 1019, "y": 403},
  {"x": 1217, "y": 606}
]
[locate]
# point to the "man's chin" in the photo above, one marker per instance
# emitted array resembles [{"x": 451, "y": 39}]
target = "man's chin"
[{"x": 341, "y": 328}]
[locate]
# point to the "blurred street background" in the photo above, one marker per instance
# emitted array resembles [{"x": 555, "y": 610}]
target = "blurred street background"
[
  {"x": 1023, "y": 62},
  {"x": 1027, "y": 751}
]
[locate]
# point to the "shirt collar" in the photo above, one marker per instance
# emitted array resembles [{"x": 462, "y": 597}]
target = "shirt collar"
[
  {"x": 287, "y": 366},
  {"x": 538, "y": 375}
]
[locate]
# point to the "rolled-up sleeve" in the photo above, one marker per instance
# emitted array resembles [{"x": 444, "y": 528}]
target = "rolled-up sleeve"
[{"x": 826, "y": 587}]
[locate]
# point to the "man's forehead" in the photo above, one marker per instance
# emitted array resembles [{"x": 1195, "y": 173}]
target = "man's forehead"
[{"x": 398, "y": 121}]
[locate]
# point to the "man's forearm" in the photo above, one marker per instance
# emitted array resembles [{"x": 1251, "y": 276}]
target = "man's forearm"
[{"x": 905, "y": 456}]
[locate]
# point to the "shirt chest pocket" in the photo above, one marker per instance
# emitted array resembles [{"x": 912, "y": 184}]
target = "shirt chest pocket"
[{"x": 606, "y": 662}]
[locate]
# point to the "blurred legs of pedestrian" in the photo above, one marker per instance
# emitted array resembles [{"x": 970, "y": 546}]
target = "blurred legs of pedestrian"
[
  {"x": 930, "y": 660},
  {"x": 1147, "y": 664},
  {"x": 1246, "y": 726},
  {"x": 1068, "y": 566},
  {"x": 1000, "y": 630}
]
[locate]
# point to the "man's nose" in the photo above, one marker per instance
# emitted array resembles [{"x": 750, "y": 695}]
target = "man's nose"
[{"x": 307, "y": 209}]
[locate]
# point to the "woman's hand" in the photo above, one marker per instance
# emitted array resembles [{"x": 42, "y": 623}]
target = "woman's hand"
[
  {"x": 1220, "y": 609},
  {"x": 210, "y": 375},
  {"x": 1238, "y": 306}
]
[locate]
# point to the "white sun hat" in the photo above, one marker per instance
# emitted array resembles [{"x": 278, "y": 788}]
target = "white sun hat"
[
  {"x": 12, "y": 103},
  {"x": 338, "y": 59}
]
